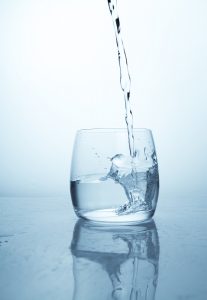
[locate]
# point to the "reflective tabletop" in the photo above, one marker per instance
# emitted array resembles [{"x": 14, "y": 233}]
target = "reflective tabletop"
[{"x": 46, "y": 252}]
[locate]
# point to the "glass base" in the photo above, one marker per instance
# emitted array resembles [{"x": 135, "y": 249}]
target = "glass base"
[{"x": 110, "y": 216}]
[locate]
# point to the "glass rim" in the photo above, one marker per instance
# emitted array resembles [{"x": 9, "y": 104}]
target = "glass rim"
[{"x": 111, "y": 130}]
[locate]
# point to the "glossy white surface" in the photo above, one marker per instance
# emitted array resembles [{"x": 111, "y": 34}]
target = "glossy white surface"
[{"x": 36, "y": 260}]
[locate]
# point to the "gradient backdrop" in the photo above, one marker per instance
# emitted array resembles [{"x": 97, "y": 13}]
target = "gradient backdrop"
[{"x": 59, "y": 73}]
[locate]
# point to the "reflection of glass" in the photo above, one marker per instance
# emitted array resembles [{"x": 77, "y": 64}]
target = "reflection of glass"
[
  {"x": 109, "y": 185},
  {"x": 115, "y": 262}
]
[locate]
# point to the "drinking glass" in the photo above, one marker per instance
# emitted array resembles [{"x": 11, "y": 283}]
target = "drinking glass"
[{"x": 107, "y": 184}]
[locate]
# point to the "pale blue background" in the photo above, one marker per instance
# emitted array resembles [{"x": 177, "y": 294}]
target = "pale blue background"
[{"x": 59, "y": 73}]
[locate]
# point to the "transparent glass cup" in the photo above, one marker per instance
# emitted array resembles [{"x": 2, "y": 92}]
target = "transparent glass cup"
[{"x": 107, "y": 184}]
